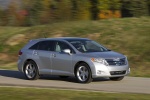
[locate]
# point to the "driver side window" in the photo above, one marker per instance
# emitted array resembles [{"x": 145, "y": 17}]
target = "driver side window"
[{"x": 60, "y": 46}]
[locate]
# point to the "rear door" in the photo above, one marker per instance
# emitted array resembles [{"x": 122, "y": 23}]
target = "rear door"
[{"x": 43, "y": 56}]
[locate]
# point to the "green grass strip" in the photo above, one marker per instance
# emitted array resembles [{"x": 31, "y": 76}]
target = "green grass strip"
[{"x": 10, "y": 93}]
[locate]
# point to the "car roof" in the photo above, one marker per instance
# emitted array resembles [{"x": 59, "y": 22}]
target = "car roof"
[{"x": 62, "y": 38}]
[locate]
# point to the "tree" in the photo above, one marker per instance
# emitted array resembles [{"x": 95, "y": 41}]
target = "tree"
[
  {"x": 45, "y": 11},
  {"x": 12, "y": 12},
  {"x": 1, "y": 16},
  {"x": 94, "y": 9},
  {"x": 104, "y": 4},
  {"x": 83, "y": 10},
  {"x": 64, "y": 10},
  {"x": 148, "y": 2},
  {"x": 134, "y": 8},
  {"x": 115, "y": 5},
  {"x": 125, "y": 8},
  {"x": 139, "y": 8},
  {"x": 34, "y": 9},
  {"x": 115, "y": 8},
  {"x": 109, "y": 8}
]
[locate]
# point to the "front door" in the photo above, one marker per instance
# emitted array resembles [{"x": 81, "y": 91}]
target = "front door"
[{"x": 61, "y": 62}]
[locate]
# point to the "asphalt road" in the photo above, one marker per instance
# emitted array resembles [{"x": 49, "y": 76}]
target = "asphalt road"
[{"x": 127, "y": 85}]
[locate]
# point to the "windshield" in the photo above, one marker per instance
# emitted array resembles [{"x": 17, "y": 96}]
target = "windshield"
[{"x": 87, "y": 46}]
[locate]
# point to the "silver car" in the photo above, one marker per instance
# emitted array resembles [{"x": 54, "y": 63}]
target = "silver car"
[{"x": 70, "y": 56}]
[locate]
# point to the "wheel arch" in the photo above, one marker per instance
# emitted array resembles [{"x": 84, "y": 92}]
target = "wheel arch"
[
  {"x": 35, "y": 72},
  {"x": 28, "y": 61},
  {"x": 79, "y": 62}
]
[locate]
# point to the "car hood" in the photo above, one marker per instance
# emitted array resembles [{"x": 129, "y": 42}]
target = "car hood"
[{"x": 105, "y": 55}]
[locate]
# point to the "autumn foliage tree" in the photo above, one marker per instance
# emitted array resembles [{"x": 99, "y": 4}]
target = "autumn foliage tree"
[
  {"x": 36, "y": 12},
  {"x": 82, "y": 10},
  {"x": 109, "y": 9}
]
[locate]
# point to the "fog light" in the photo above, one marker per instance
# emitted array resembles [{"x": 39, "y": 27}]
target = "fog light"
[{"x": 100, "y": 72}]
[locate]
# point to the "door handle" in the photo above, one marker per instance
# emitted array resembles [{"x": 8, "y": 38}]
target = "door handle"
[
  {"x": 53, "y": 55},
  {"x": 35, "y": 53}
]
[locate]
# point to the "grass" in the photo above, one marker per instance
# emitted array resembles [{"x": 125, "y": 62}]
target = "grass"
[
  {"x": 51, "y": 94},
  {"x": 129, "y": 36}
]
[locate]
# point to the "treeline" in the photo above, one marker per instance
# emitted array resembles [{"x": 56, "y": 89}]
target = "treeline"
[{"x": 35, "y": 12}]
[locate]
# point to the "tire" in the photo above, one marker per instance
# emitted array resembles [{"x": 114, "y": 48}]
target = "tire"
[
  {"x": 31, "y": 71},
  {"x": 116, "y": 78},
  {"x": 63, "y": 76},
  {"x": 83, "y": 73}
]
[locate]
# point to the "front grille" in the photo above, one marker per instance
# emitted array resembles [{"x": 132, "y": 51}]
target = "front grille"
[
  {"x": 116, "y": 62},
  {"x": 117, "y": 72}
]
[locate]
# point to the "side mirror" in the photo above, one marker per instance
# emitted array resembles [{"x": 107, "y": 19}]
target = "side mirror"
[{"x": 68, "y": 51}]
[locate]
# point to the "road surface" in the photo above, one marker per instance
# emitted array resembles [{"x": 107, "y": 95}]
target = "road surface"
[{"x": 127, "y": 85}]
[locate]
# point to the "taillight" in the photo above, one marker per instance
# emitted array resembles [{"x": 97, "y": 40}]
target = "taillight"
[{"x": 20, "y": 53}]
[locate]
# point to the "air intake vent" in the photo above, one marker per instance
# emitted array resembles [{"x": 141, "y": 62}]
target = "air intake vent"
[{"x": 117, "y": 72}]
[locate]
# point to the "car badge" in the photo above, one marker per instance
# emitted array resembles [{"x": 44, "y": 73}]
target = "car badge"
[{"x": 116, "y": 59}]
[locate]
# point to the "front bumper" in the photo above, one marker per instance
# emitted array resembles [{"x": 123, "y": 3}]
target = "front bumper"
[{"x": 100, "y": 70}]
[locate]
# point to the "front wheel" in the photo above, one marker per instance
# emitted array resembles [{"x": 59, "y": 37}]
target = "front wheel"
[
  {"x": 83, "y": 73},
  {"x": 31, "y": 71},
  {"x": 116, "y": 78}
]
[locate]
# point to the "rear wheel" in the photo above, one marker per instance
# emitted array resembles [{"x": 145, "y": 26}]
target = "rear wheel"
[
  {"x": 83, "y": 73},
  {"x": 31, "y": 71},
  {"x": 116, "y": 78}
]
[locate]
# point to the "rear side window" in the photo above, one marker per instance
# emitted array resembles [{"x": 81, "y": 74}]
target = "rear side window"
[
  {"x": 43, "y": 45},
  {"x": 46, "y": 45},
  {"x": 35, "y": 46}
]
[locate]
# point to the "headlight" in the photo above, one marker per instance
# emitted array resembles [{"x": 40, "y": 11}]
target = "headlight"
[
  {"x": 99, "y": 60},
  {"x": 126, "y": 59}
]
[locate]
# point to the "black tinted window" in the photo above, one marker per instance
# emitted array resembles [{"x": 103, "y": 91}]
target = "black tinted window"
[
  {"x": 35, "y": 46},
  {"x": 46, "y": 45}
]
